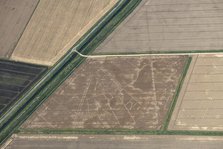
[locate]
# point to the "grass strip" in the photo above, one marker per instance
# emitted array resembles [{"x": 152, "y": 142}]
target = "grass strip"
[
  {"x": 87, "y": 131},
  {"x": 118, "y": 132}
]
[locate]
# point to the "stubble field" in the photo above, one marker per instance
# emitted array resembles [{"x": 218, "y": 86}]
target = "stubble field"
[
  {"x": 199, "y": 106},
  {"x": 56, "y": 26},
  {"x": 14, "y": 16}
]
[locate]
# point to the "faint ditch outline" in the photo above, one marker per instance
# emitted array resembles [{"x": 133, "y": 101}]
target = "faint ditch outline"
[{"x": 163, "y": 129}]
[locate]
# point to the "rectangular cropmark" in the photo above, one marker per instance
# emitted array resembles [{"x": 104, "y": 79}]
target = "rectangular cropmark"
[
  {"x": 200, "y": 104},
  {"x": 15, "y": 79},
  {"x": 118, "y": 92}
]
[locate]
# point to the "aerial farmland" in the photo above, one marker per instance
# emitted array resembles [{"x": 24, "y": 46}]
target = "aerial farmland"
[{"x": 111, "y": 74}]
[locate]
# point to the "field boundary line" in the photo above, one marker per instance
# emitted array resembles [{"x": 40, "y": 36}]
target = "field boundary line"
[
  {"x": 162, "y": 52},
  {"x": 9, "y": 54},
  {"x": 145, "y": 54},
  {"x": 116, "y": 132}
]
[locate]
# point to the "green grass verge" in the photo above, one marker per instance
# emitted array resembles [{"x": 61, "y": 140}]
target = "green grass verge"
[{"x": 118, "y": 132}]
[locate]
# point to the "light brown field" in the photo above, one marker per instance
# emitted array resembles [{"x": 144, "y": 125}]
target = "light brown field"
[
  {"x": 132, "y": 93},
  {"x": 200, "y": 104},
  {"x": 14, "y": 16},
  {"x": 55, "y": 26}
]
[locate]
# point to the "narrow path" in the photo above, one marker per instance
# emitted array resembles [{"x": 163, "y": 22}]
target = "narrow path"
[{"x": 148, "y": 54}]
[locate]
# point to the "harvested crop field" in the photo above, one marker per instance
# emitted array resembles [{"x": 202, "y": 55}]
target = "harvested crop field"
[
  {"x": 113, "y": 142},
  {"x": 14, "y": 16},
  {"x": 15, "y": 79},
  {"x": 200, "y": 104},
  {"x": 131, "y": 93},
  {"x": 56, "y": 25},
  {"x": 169, "y": 25}
]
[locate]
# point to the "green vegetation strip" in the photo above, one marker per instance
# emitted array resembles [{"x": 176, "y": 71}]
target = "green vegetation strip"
[
  {"x": 118, "y": 132},
  {"x": 17, "y": 114},
  {"x": 174, "y": 101}
]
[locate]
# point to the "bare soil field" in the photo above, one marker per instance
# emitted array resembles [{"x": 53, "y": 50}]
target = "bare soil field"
[
  {"x": 14, "y": 16},
  {"x": 131, "y": 93},
  {"x": 169, "y": 25},
  {"x": 112, "y": 142},
  {"x": 55, "y": 26},
  {"x": 200, "y": 104}
]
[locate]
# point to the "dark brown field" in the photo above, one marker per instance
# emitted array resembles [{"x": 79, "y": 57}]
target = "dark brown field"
[{"x": 131, "y": 93}]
